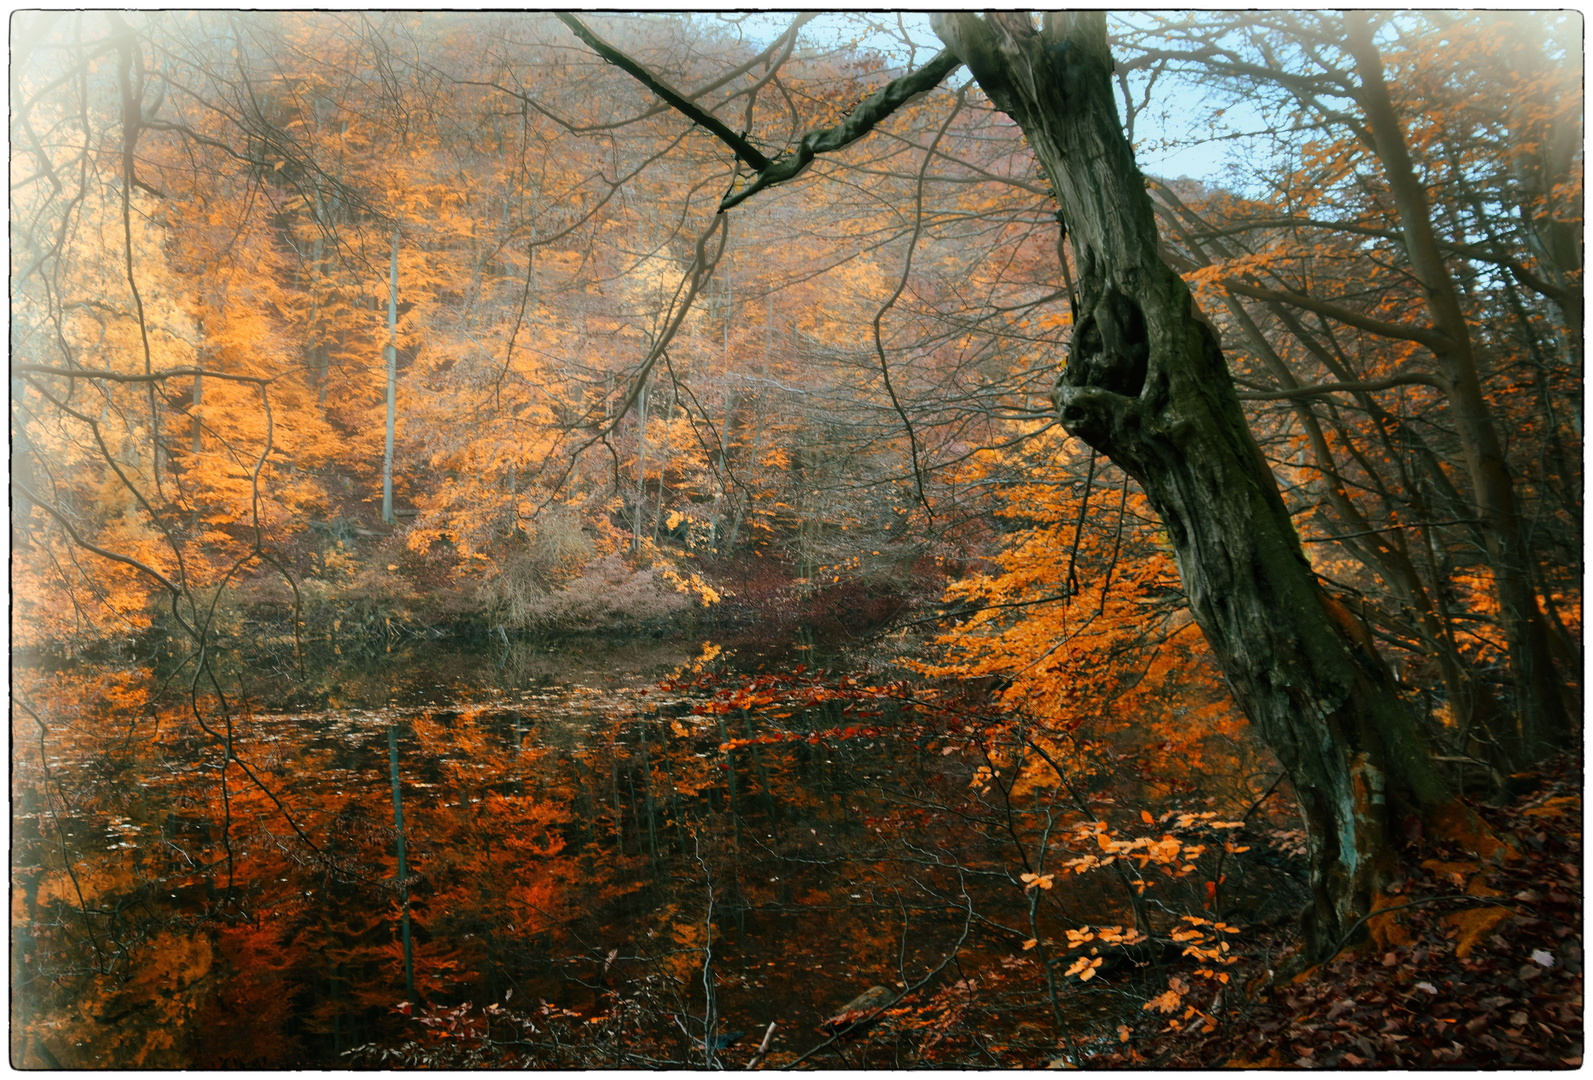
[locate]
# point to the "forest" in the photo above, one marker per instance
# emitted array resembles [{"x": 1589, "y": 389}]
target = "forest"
[{"x": 794, "y": 540}]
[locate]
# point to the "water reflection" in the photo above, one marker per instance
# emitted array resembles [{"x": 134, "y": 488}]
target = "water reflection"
[{"x": 580, "y": 853}]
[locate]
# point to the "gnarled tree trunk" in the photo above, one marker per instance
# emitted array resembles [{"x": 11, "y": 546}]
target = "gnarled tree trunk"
[{"x": 1146, "y": 384}]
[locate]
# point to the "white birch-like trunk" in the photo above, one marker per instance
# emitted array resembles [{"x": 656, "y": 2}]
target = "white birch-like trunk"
[
  {"x": 641, "y": 467},
  {"x": 392, "y": 382},
  {"x": 199, "y": 398}
]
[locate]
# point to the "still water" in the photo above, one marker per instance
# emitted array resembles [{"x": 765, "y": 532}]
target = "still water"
[{"x": 590, "y": 876}]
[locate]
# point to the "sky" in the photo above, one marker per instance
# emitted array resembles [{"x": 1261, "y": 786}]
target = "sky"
[{"x": 1172, "y": 117}]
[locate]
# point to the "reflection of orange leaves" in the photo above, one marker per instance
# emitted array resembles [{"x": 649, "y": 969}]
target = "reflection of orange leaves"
[
  {"x": 152, "y": 1008},
  {"x": 537, "y": 901},
  {"x": 245, "y": 1023}
]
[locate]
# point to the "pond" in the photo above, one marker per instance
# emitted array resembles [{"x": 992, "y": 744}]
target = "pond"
[{"x": 610, "y": 859}]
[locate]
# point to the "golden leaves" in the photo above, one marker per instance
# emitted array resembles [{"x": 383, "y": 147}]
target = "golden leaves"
[
  {"x": 1560, "y": 806},
  {"x": 1473, "y": 923},
  {"x": 1168, "y": 1001},
  {"x": 1084, "y": 967}
]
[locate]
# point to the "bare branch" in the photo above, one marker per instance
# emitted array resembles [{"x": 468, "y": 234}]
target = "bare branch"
[
  {"x": 150, "y": 377},
  {"x": 1414, "y": 379},
  {"x": 1437, "y": 342},
  {"x": 862, "y": 119},
  {"x": 765, "y": 57},
  {"x": 907, "y": 269},
  {"x": 744, "y": 150},
  {"x": 77, "y": 538}
]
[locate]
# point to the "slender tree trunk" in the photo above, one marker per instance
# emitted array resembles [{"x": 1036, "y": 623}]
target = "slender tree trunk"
[
  {"x": 732, "y": 398},
  {"x": 663, "y": 465},
  {"x": 763, "y": 778},
  {"x": 199, "y": 399},
  {"x": 619, "y": 820},
  {"x": 22, "y": 455},
  {"x": 318, "y": 365},
  {"x": 730, "y": 776},
  {"x": 751, "y": 466},
  {"x": 1145, "y": 383},
  {"x": 641, "y": 467},
  {"x": 1542, "y": 721},
  {"x": 392, "y": 382},
  {"x": 647, "y": 793}
]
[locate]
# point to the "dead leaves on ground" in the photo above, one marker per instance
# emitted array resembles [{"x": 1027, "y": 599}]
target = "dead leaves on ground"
[{"x": 1491, "y": 986}]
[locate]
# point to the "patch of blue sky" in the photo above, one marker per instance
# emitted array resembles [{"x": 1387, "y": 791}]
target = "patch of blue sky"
[{"x": 1181, "y": 132}]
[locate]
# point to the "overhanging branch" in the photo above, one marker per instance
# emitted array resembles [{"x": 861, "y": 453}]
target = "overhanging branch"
[
  {"x": 149, "y": 377},
  {"x": 78, "y": 539},
  {"x": 858, "y": 123},
  {"x": 744, "y": 150},
  {"x": 1434, "y": 340},
  {"x": 1367, "y": 386}
]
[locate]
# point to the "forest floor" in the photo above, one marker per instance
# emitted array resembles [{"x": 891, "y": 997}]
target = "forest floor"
[{"x": 1478, "y": 965}]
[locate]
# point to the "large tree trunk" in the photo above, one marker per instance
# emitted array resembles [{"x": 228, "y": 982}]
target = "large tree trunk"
[
  {"x": 1388, "y": 557},
  {"x": 1146, "y": 384}
]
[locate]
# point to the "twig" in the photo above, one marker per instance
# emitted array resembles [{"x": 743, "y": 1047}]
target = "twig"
[
  {"x": 763, "y": 1047},
  {"x": 872, "y": 1013},
  {"x": 1356, "y": 925},
  {"x": 744, "y": 150},
  {"x": 907, "y": 269}
]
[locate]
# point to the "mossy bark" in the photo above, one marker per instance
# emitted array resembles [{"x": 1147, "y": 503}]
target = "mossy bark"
[{"x": 1145, "y": 383}]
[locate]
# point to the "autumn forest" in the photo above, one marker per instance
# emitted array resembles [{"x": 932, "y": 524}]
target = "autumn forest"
[{"x": 796, "y": 540}]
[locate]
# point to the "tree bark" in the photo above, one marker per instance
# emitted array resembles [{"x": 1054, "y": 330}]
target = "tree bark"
[
  {"x": 199, "y": 400},
  {"x": 1145, "y": 383},
  {"x": 1468, "y": 696}
]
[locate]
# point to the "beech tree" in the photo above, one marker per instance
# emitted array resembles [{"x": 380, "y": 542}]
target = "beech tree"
[{"x": 1145, "y": 384}]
